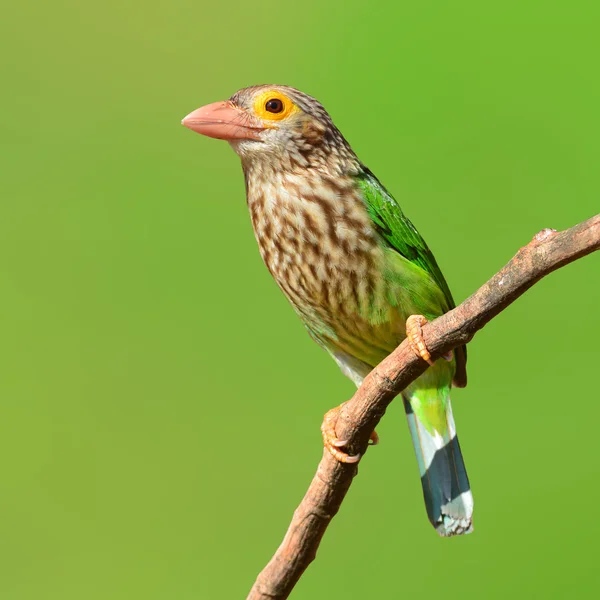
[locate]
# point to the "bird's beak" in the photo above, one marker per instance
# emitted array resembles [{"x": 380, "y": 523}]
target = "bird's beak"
[{"x": 224, "y": 121}]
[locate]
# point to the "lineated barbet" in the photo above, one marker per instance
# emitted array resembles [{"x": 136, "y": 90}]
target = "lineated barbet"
[{"x": 352, "y": 265}]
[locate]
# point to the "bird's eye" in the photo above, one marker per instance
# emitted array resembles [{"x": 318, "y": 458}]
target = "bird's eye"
[{"x": 274, "y": 105}]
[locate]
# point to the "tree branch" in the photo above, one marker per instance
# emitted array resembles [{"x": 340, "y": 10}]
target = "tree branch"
[{"x": 547, "y": 252}]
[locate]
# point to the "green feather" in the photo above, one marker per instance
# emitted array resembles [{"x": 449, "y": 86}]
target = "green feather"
[{"x": 397, "y": 230}]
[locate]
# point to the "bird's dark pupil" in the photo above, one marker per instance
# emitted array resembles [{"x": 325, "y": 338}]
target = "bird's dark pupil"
[{"x": 274, "y": 106}]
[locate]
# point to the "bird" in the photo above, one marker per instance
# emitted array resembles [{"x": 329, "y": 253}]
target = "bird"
[{"x": 353, "y": 266}]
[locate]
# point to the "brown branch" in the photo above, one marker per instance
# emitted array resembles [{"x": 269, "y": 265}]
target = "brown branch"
[{"x": 547, "y": 252}]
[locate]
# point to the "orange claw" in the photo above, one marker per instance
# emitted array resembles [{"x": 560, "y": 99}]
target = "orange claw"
[
  {"x": 414, "y": 333},
  {"x": 331, "y": 441}
]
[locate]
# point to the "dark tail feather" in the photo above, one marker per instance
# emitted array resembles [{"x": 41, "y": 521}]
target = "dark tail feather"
[{"x": 444, "y": 478}]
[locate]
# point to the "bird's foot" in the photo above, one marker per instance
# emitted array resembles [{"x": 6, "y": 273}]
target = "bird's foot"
[
  {"x": 331, "y": 441},
  {"x": 414, "y": 333}
]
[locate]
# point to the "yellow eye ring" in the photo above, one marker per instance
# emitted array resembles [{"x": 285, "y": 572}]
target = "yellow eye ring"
[{"x": 274, "y": 106}]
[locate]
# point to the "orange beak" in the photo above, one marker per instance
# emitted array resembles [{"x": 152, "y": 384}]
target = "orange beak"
[{"x": 224, "y": 121}]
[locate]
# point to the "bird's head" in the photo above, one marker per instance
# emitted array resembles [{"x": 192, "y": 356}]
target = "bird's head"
[{"x": 274, "y": 124}]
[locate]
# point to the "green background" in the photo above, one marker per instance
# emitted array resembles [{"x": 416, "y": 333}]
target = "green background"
[{"x": 160, "y": 402}]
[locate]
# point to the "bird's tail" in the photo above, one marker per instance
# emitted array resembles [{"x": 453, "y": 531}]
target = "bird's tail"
[{"x": 444, "y": 478}]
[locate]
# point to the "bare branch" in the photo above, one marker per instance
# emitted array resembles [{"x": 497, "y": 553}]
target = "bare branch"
[{"x": 547, "y": 252}]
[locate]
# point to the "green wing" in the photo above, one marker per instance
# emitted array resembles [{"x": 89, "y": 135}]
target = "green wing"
[
  {"x": 396, "y": 229},
  {"x": 401, "y": 235}
]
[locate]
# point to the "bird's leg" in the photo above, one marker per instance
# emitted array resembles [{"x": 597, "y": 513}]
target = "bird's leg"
[
  {"x": 414, "y": 333},
  {"x": 331, "y": 441}
]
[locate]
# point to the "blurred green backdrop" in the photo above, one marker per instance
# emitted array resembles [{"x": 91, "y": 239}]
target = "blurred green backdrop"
[{"x": 160, "y": 402}]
